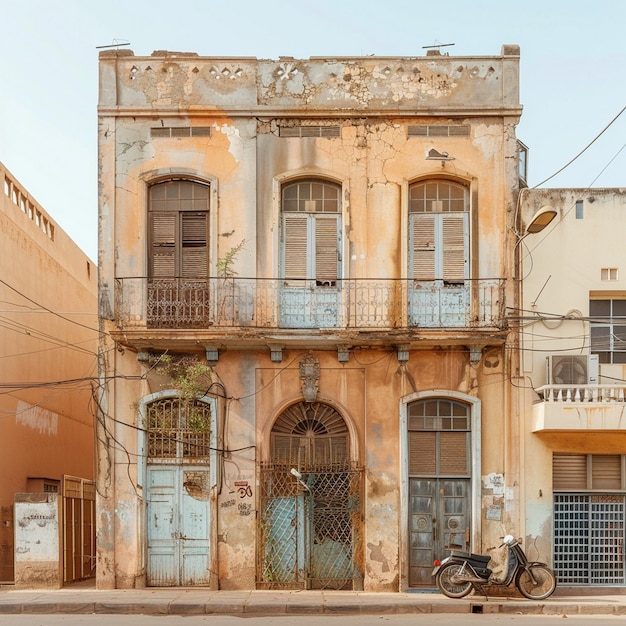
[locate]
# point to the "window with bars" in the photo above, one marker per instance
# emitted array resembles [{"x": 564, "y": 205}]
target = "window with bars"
[
  {"x": 178, "y": 215},
  {"x": 608, "y": 329},
  {"x": 310, "y": 436},
  {"x": 178, "y": 430},
  {"x": 311, "y": 217},
  {"x": 589, "y": 506},
  {"x": 439, "y": 231}
]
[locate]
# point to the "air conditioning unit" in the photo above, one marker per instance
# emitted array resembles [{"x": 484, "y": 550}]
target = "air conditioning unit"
[{"x": 572, "y": 369}]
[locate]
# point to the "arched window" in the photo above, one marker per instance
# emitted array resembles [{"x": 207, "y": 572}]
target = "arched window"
[
  {"x": 310, "y": 435},
  {"x": 439, "y": 231},
  {"x": 311, "y": 214},
  {"x": 178, "y": 216},
  {"x": 178, "y": 430},
  {"x": 439, "y": 438}
]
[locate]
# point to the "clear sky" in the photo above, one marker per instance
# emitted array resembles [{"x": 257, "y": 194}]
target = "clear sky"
[{"x": 573, "y": 68}]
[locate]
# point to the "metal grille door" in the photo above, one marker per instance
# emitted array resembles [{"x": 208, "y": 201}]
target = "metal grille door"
[
  {"x": 310, "y": 531},
  {"x": 589, "y": 539}
]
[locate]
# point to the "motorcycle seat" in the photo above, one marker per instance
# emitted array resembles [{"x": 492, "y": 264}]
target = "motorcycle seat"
[{"x": 477, "y": 560}]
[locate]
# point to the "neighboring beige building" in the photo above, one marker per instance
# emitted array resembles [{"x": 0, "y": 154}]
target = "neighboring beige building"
[
  {"x": 48, "y": 369},
  {"x": 573, "y": 376},
  {"x": 329, "y": 240}
]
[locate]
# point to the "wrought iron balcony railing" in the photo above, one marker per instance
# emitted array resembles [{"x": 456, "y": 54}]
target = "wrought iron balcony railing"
[{"x": 183, "y": 303}]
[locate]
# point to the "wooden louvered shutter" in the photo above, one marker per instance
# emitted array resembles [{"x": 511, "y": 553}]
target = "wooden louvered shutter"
[
  {"x": 326, "y": 248},
  {"x": 444, "y": 453},
  {"x": 453, "y": 454},
  {"x": 454, "y": 246},
  {"x": 296, "y": 249},
  {"x": 422, "y": 453},
  {"x": 194, "y": 257},
  {"x": 423, "y": 239},
  {"x": 163, "y": 245}
]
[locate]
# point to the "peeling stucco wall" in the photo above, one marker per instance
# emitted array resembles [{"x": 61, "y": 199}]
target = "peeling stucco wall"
[
  {"x": 371, "y": 102},
  {"x": 186, "y": 80}
]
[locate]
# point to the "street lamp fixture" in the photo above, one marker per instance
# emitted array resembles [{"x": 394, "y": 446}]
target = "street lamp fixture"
[{"x": 541, "y": 219}]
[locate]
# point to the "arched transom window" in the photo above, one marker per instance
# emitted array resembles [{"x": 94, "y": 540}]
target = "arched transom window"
[
  {"x": 439, "y": 438},
  {"x": 178, "y": 430},
  {"x": 310, "y": 435}
]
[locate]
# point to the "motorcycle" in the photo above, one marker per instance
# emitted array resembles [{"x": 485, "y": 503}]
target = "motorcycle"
[{"x": 461, "y": 572}]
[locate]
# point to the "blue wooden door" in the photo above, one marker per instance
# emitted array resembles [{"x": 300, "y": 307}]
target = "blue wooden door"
[{"x": 178, "y": 524}]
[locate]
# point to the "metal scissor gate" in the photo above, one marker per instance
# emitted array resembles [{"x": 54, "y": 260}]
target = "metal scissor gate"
[{"x": 309, "y": 534}]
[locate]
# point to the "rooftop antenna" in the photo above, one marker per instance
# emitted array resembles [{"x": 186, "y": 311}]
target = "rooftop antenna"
[
  {"x": 437, "y": 45},
  {"x": 116, "y": 44}
]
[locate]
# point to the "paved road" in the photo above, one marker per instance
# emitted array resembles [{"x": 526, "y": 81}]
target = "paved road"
[{"x": 309, "y": 620}]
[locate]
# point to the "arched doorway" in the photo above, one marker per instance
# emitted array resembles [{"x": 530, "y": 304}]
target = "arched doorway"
[
  {"x": 439, "y": 467},
  {"x": 177, "y": 444},
  {"x": 310, "y": 531}
]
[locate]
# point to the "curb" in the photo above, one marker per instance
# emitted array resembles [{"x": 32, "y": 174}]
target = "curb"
[
  {"x": 190, "y": 601},
  {"x": 183, "y": 608}
]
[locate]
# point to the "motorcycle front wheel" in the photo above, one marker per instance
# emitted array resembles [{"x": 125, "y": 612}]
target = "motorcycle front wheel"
[
  {"x": 536, "y": 583},
  {"x": 447, "y": 586}
]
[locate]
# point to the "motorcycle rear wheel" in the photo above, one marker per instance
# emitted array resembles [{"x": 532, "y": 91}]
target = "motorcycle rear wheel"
[
  {"x": 447, "y": 586},
  {"x": 543, "y": 585}
]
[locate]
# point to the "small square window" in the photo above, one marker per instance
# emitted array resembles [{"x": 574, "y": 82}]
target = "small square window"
[{"x": 608, "y": 273}]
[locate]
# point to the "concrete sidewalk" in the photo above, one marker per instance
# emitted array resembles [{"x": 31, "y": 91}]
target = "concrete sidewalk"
[{"x": 169, "y": 601}]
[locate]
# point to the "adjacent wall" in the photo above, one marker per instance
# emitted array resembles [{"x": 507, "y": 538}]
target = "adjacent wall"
[{"x": 48, "y": 355}]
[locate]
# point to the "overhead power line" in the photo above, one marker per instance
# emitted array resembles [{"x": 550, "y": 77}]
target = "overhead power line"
[
  {"x": 543, "y": 182},
  {"x": 45, "y": 308}
]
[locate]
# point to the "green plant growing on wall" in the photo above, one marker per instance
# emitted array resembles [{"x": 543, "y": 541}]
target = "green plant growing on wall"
[
  {"x": 191, "y": 378},
  {"x": 228, "y": 307},
  {"x": 225, "y": 265}
]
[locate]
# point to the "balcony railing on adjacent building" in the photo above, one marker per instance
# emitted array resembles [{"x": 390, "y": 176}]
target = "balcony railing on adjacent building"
[
  {"x": 276, "y": 303},
  {"x": 591, "y": 407},
  {"x": 583, "y": 393}
]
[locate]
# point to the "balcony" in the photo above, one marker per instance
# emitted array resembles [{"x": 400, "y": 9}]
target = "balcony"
[
  {"x": 230, "y": 306},
  {"x": 597, "y": 408}
]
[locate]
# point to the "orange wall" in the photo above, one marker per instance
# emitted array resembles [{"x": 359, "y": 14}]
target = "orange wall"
[{"x": 48, "y": 353}]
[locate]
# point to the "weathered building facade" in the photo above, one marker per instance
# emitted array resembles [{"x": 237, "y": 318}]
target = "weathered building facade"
[
  {"x": 573, "y": 376},
  {"x": 48, "y": 367},
  {"x": 327, "y": 242}
]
